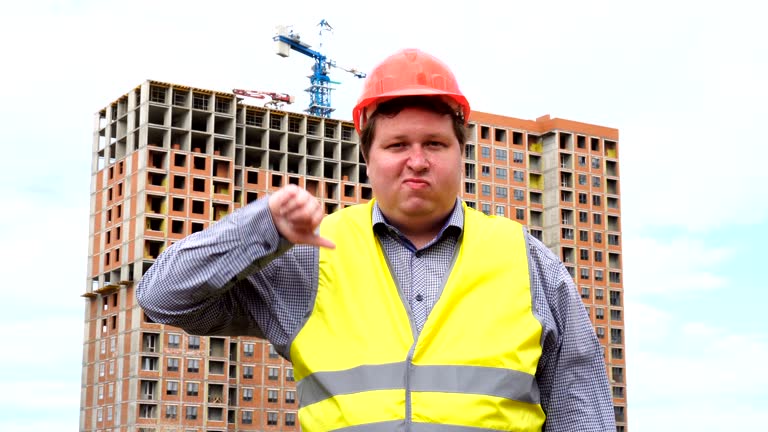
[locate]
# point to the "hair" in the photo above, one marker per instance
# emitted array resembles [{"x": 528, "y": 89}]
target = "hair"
[{"x": 392, "y": 107}]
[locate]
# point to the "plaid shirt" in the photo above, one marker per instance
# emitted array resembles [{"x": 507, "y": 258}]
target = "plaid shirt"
[{"x": 240, "y": 278}]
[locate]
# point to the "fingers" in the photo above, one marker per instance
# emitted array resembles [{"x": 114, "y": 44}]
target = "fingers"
[{"x": 296, "y": 214}]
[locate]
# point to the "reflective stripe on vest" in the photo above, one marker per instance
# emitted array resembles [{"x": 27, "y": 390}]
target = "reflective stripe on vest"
[
  {"x": 508, "y": 384},
  {"x": 360, "y": 366}
]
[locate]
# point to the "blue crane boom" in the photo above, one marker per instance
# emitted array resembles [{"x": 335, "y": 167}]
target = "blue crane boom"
[{"x": 320, "y": 88}]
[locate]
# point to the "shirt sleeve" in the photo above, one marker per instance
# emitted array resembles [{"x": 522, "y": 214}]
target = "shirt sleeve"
[
  {"x": 238, "y": 277},
  {"x": 572, "y": 378}
]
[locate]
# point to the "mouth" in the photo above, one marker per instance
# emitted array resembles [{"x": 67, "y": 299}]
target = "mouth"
[{"x": 416, "y": 183}]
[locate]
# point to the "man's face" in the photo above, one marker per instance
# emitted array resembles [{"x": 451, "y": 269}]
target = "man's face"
[{"x": 414, "y": 167}]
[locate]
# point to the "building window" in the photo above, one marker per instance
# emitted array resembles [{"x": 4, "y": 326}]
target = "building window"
[
  {"x": 289, "y": 374},
  {"x": 193, "y": 365},
  {"x": 248, "y": 372},
  {"x": 583, "y": 235},
  {"x": 247, "y": 417},
  {"x": 111, "y": 367},
  {"x": 615, "y": 315},
  {"x": 519, "y": 176},
  {"x": 170, "y": 411},
  {"x": 101, "y": 369},
  {"x": 583, "y": 217},
  {"x": 193, "y": 389},
  {"x": 598, "y": 237},
  {"x": 617, "y": 353},
  {"x": 272, "y": 396},
  {"x": 596, "y": 162},
  {"x": 501, "y": 192},
  {"x": 618, "y": 392},
  {"x": 191, "y": 413},
  {"x": 469, "y": 170},
  {"x": 517, "y": 157},
  {"x": 583, "y": 254},
  {"x": 582, "y": 179},
  {"x": 613, "y": 239},
  {"x": 519, "y": 195},
  {"x": 101, "y": 391},
  {"x": 600, "y": 313},
  {"x": 501, "y": 154},
  {"x": 290, "y": 396},
  {"x": 597, "y": 218},
  {"x": 469, "y": 151},
  {"x": 486, "y": 190},
  {"x": 173, "y": 364},
  {"x": 172, "y": 388},
  {"x": 599, "y": 293},
  {"x": 501, "y": 173},
  {"x": 618, "y": 374},
  {"x": 273, "y": 373},
  {"x": 486, "y": 208},
  {"x": 600, "y": 332},
  {"x": 470, "y": 187},
  {"x": 615, "y": 298},
  {"x": 194, "y": 343},
  {"x": 596, "y": 201},
  {"x": 248, "y": 349},
  {"x": 584, "y": 273},
  {"x": 271, "y": 418},
  {"x": 598, "y": 256},
  {"x": 582, "y": 161},
  {"x": 499, "y": 210},
  {"x": 485, "y": 151},
  {"x": 585, "y": 292},
  {"x": 616, "y": 336},
  {"x": 174, "y": 340},
  {"x": 290, "y": 419},
  {"x": 582, "y": 198},
  {"x": 485, "y": 170},
  {"x": 598, "y": 275},
  {"x": 519, "y": 214},
  {"x": 247, "y": 394}
]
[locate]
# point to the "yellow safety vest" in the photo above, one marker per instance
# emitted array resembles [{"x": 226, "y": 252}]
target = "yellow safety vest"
[{"x": 360, "y": 366}]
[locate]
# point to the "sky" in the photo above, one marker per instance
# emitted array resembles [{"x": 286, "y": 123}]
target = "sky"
[{"x": 684, "y": 82}]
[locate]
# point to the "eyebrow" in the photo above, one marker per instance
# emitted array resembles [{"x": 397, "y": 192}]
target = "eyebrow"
[{"x": 428, "y": 136}]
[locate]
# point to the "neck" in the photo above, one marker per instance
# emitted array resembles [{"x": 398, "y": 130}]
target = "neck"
[{"x": 420, "y": 233}]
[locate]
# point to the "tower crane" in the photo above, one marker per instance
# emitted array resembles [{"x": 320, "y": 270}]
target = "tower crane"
[
  {"x": 320, "y": 89},
  {"x": 277, "y": 100}
]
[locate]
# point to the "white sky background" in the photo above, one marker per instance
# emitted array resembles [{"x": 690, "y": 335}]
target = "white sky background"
[{"x": 684, "y": 82}]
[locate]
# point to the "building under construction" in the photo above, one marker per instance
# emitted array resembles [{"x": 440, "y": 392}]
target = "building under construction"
[{"x": 170, "y": 160}]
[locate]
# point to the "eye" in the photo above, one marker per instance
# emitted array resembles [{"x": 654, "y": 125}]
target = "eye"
[{"x": 436, "y": 144}]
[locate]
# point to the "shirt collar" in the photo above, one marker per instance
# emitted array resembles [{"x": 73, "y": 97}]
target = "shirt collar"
[{"x": 454, "y": 223}]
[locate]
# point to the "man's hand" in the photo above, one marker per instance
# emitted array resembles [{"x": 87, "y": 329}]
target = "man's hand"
[{"x": 297, "y": 214}]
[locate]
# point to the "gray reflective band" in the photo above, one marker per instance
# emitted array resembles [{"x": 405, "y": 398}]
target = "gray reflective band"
[
  {"x": 504, "y": 383},
  {"x": 388, "y": 426},
  {"x": 322, "y": 385},
  {"x": 399, "y": 426}
]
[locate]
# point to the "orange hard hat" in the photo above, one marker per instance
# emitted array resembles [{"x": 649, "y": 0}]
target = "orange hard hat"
[{"x": 408, "y": 72}]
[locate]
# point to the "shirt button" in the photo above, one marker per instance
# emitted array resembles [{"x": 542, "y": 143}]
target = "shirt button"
[{"x": 419, "y": 297}]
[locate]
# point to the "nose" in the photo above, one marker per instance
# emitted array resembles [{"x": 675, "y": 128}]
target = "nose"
[{"x": 417, "y": 159}]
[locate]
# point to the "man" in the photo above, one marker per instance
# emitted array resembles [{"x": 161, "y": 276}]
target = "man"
[{"x": 412, "y": 312}]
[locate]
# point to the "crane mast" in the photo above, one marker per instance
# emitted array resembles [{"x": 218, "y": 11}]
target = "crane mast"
[{"x": 320, "y": 82}]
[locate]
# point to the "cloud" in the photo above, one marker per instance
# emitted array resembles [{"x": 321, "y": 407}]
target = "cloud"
[
  {"x": 673, "y": 264},
  {"x": 690, "y": 375}
]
